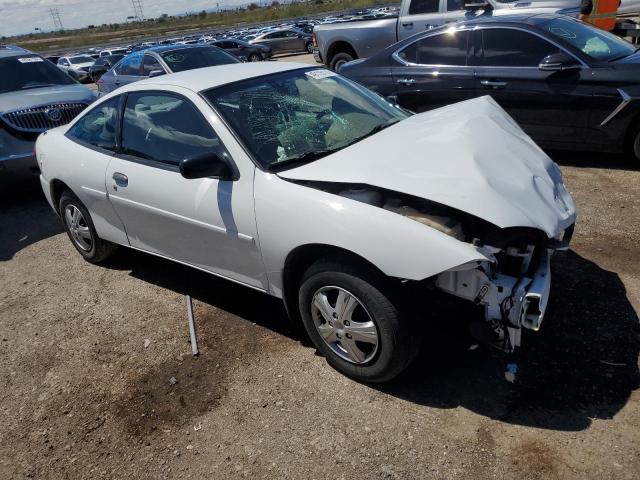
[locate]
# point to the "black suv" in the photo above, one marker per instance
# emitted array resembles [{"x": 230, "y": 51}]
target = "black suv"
[{"x": 35, "y": 95}]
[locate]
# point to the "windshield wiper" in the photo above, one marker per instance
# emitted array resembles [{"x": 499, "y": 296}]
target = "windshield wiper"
[{"x": 306, "y": 157}]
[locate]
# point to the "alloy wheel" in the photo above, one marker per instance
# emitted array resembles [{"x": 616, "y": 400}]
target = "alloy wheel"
[
  {"x": 78, "y": 227},
  {"x": 344, "y": 324}
]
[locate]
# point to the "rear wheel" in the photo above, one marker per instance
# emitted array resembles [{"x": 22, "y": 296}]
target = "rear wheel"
[
  {"x": 254, "y": 57},
  {"x": 340, "y": 59},
  {"x": 353, "y": 319},
  {"x": 79, "y": 227},
  {"x": 309, "y": 47}
]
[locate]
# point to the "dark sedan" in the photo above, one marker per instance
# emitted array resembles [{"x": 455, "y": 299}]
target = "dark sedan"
[
  {"x": 103, "y": 64},
  {"x": 569, "y": 85},
  {"x": 243, "y": 50},
  {"x": 160, "y": 60}
]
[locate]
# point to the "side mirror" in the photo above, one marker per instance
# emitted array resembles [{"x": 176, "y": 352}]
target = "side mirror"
[
  {"x": 156, "y": 73},
  {"x": 206, "y": 165},
  {"x": 558, "y": 62}
]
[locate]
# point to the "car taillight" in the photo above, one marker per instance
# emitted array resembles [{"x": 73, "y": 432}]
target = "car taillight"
[{"x": 314, "y": 40}]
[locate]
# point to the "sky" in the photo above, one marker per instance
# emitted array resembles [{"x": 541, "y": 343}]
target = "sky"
[{"x": 23, "y": 16}]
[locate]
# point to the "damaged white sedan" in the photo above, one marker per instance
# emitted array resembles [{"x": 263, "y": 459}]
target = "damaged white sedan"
[{"x": 297, "y": 182}]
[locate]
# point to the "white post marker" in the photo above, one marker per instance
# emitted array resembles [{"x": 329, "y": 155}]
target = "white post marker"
[{"x": 192, "y": 326}]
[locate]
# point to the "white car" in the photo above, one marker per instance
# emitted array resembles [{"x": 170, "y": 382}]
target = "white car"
[
  {"x": 77, "y": 66},
  {"x": 295, "y": 181}
]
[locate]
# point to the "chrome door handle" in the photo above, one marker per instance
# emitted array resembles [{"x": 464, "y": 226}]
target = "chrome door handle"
[
  {"x": 493, "y": 83},
  {"x": 120, "y": 179},
  {"x": 406, "y": 81}
]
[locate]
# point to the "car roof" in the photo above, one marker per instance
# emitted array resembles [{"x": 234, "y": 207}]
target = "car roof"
[
  {"x": 210, "y": 77},
  {"x": 12, "y": 51}
]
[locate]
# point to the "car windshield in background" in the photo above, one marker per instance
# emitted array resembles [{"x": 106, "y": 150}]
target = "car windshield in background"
[
  {"x": 29, "y": 71},
  {"x": 598, "y": 44},
  {"x": 299, "y": 116},
  {"x": 190, "y": 58},
  {"x": 82, "y": 59}
]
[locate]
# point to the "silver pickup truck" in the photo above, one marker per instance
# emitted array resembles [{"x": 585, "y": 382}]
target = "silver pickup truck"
[{"x": 338, "y": 43}]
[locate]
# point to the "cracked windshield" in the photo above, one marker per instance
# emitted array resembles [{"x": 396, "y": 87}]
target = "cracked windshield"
[{"x": 299, "y": 116}]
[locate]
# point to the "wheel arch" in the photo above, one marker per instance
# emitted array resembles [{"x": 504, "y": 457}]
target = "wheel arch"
[
  {"x": 301, "y": 258},
  {"x": 57, "y": 188},
  {"x": 340, "y": 46}
]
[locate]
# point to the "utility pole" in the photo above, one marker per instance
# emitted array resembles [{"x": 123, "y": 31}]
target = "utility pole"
[
  {"x": 137, "y": 9},
  {"x": 57, "y": 22}
]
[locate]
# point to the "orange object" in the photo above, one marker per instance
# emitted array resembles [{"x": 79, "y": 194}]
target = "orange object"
[{"x": 603, "y": 14}]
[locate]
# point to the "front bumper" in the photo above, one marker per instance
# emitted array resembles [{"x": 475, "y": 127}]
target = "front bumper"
[
  {"x": 18, "y": 167},
  {"x": 510, "y": 302}
]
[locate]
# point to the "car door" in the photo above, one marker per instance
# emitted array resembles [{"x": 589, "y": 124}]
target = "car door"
[
  {"x": 419, "y": 15},
  {"x": 207, "y": 223},
  {"x": 277, "y": 42},
  {"x": 94, "y": 143},
  {"x": 433, "y": 71},
  {"x": 233, "y": 47},
  {"x": 551, "y": 107}
]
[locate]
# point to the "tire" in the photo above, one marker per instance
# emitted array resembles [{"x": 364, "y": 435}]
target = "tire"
[
  {"x": 81, "y": 231},
  {"x": 374, "y": 312},
  {"x": 309, "y": 47},
  {"x": 254, "y": 57},
  {"x": 339, "y": 59}
]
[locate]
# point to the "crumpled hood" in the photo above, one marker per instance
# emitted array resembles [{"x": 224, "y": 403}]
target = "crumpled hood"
[
  {"x": 34, "y": 97},
  {"x": 471, "y": 156}
]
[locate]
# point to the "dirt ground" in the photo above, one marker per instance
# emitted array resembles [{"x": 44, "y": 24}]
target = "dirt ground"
[{"x": 87, "y": 353}]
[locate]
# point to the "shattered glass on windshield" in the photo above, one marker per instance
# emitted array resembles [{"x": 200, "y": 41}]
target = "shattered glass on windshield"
[{"x": 301, "y": 115}]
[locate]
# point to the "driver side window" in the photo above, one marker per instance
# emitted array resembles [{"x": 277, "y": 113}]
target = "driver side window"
[
  {"x": 504, "y": 47},
  {"x": 98, "y": 126},
  {"x": 424, "y": 6},
  {"x": 150, "y": 64},
  {"x": 165, "y": 128},
  {"x": 130, "y": 66}
]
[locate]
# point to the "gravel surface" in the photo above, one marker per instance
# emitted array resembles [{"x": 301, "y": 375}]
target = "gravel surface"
[{"x": 97, "y": 381}]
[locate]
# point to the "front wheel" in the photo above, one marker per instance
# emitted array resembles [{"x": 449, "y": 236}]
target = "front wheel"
[
  {"x": 353, "y": 320},
  {"x": 254, "y": 57},
  {"x": 309, "y": 47},
  {"x": 79, "y": 227}
]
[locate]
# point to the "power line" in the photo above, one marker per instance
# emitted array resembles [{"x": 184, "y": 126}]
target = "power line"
[
  {"x": 57, "y": 21},
  {"x": 137, "y": 9}
]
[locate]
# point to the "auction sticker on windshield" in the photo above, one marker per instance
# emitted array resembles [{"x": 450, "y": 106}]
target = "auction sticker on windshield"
[
  {"x": 30, "y": 60},
  {"x": 321, "y": 73}
]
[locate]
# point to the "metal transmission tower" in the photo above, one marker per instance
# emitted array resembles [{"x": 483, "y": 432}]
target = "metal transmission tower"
[
  {"x": 57, "y": 22},
  {"x": 137, "y": 9}
]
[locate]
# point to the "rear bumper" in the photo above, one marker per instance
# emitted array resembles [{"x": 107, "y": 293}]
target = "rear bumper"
[{"x": 317, "y": 56}]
